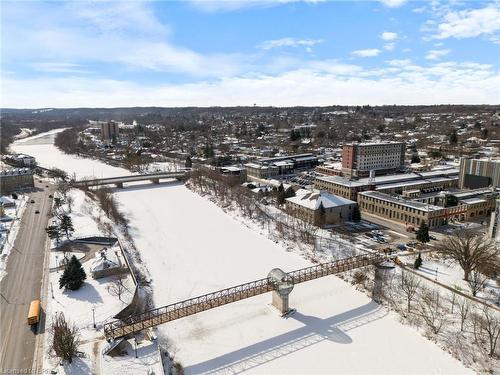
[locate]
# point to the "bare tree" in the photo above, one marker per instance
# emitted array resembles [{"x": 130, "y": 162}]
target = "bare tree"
[
  {"x": 69, "y": 202},
  {"x": 469, "y": 250},
  {"x": 477, "y": 282},
  {"x": 409, "y": 285},
  {"x": 491, "y": 325},
  {"x": 463, "y": 308},
  {"x": 432, "y": 312},
  {"x": 65, "y": 338},
  {"x": 63, "y": 188},
  {"x": 453, "y": 298},
  {"x": 117, "y": 287}
]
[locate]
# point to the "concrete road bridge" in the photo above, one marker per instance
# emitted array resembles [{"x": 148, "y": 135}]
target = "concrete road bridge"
[
  {"x": 120, "y": 180},
  {"x": 277, "y": 281}
]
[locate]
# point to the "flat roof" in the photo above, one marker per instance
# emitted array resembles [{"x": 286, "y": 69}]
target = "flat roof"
[
  {"x": 381, "y": 143},
  {"x": 395, "y": 180},
  {"x": 473, "y": 200},
  {"x": 402, "y": 201},
  {"x": 340, "y": 181}
]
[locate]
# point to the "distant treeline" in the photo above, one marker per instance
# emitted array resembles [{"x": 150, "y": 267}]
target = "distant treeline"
[
  {"x": 67, "y": 140},
  {"x": 11, "y": 126},
  {"x": 160, "y": 114}
]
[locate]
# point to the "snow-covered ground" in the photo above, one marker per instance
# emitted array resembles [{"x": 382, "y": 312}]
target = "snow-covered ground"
[
  {"x": 190, "y": 247},
  {"x": 9, "y": 226},
  {"x": 93, "y": 301},
  {"x": 48, "y": 156},
  {"x": 450, "y": 273}
]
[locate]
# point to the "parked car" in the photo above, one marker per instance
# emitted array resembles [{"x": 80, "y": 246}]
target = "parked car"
[
  {"x": 37, "y": 211},
  {"x": 401, "y": 246},
  {"x": 32, "y": 201},
  {"x": 433, "y": 237}
]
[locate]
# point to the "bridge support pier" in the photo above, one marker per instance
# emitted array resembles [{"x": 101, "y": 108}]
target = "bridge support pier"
[
  {"x": 119, "y": 185},
  {"x": 283, "y": 286},
  {"x": 383, "y": 273},
  {"x": 155, "y": 180},
  {"x": 280, "y": 301}
]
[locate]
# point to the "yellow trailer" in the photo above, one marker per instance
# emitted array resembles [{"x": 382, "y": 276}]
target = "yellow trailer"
[{"x": 34, "y": 312}]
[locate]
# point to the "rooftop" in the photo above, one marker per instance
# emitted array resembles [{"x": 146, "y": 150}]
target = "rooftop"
[
  {"x": 381, "y": 143},
  {"x": 313, "y": 199},
  {"x": 402, "y": 201},
  {"x": 394, "y": 180}
]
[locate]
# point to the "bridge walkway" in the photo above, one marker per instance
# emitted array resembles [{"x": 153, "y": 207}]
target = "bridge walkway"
[{"x": 178, "y": 310}]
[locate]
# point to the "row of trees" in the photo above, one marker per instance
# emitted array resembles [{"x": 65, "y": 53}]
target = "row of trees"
[
  {"x": 64, "y": 223},
  {"x": 442, "y": 315},
  {"x": 228, "y": 191}
]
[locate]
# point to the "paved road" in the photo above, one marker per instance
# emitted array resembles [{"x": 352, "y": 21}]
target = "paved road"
[{"x": 22, "y": 284}]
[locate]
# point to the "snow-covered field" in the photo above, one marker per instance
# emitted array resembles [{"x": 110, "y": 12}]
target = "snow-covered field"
[
  {"x": 94, "y": 301},
  {"x": 450, "y": 273},
  {"x": 190, "y": 247},
  {"x": 41, "y": 147}
]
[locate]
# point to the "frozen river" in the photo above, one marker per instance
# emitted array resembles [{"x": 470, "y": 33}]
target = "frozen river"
[
  {"x": 191, "y": 247},
  {"x": 42, "y": 148}
]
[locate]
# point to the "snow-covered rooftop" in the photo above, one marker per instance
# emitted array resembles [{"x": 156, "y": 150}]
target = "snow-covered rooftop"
[{"x": 313, "y": 200}]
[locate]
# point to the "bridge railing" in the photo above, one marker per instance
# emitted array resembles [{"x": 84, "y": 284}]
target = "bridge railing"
[
  {"x": 333, "y": 267},
  {"x": 128, "y": 178},
  {"x": 160, "y": 315},
  {"x": 185, "y": 308}
]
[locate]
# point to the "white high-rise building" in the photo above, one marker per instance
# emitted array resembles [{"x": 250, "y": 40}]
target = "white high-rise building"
[{"x": 495, "y": 223}]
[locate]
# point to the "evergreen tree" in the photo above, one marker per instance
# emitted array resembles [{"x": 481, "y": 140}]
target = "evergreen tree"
[
  {"x": 415, "y": 159},
  {"x": 188, "y": 163},
  {"x": 453, "y": 137},
  {"x": 418, "y": 262},
  {"x": 54, "y": 233},
  {"x": 294, "y": 136},
  {"x": 280, "y": 197},
  {"x": 209, "y": 151},
  {"x": 58, "y": 202},
  {"x": 289, "y": 192},
  {"x": 356, "y": 214},
  {"x": 73, "y": 276},
  {"x": 320, "y": 216},
  {"x": 423, "y": 233},
  {"x": 66, "y": 225}
]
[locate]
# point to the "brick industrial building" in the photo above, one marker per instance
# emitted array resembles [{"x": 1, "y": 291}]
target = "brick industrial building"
[{"x": 15, "y": 179}]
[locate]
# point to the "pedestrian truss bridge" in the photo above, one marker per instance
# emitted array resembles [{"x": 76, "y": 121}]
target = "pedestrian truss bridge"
[{"x": 277, "y": 281}]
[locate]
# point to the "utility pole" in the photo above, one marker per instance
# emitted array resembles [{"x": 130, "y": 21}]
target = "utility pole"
[
  {"x": 52, "y": 290},
  {"x": 93, "y": 316},
  {"x": 135, "y": 341}
]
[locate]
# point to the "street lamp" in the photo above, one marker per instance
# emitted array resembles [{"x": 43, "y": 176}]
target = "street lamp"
[
  {"x": 135, "y": 340},
  {"x": 93, "y": 316}
]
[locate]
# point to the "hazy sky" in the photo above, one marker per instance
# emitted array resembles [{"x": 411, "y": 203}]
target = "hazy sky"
[{"x": 164, "y": 53}]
